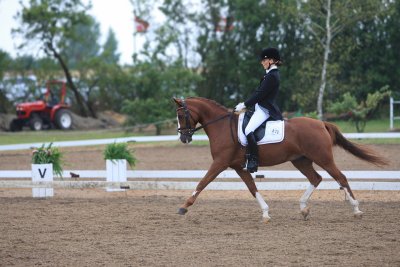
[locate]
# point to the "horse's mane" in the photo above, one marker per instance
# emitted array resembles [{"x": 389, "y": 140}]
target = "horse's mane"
[{"x": 213, "y": 102}]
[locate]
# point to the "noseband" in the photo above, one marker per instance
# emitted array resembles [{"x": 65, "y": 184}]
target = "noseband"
[{"x": 188, "y": 130}]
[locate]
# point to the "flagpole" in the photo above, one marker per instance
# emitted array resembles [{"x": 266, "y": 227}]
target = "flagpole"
[
  {"x": 134, "y": 33},
  {"x": 134, "y": 41}
]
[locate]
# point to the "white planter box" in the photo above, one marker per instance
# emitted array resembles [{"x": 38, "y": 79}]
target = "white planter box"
[
  {"x": 116, "y": 172},
  {"x": 42, "y": 173}
]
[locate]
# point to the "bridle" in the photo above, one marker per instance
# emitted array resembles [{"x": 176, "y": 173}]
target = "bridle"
[{"x": 188, "y": 130}]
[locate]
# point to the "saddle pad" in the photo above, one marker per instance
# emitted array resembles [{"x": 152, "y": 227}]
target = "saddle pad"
[{"x": 274, "y": 132}]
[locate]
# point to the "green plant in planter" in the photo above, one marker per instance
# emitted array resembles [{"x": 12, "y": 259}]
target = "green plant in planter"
[
  {"x": 116, "y": 151},
  {"x": 47, "y": 155}
]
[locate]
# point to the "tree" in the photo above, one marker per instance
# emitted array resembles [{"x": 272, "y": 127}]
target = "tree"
[
  {"x": 369, "y": 50},
  {"x": 148, "y": 111},
  {"x": 325, "y": 20},
  {"x": 114, "y": 85},
  {"x": 83, "y": 45},
  {"x": 82, "y": 55},
  {"x": 110, "y": 47},
  {"x": 151, "y": 89},
  {"x": 5, "y": 60},
  {"x": 224, "y": 38},
  {"x": 100, "y": 79},
  {"x": 361, "y": 112},
  {"x": 45, "y": 69},
  {"x": 48, "y": 23}
]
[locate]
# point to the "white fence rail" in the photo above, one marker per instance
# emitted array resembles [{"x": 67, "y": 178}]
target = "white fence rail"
[
  {"x": 197, "y": 174},
  {"x": 167, "y": 185},
  {"x": 163, "y": 138},
  {"x": 159, "y": 180}
]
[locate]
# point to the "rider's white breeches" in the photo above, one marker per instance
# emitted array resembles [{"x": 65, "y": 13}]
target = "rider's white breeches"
[{"x": 260, "y": 115}]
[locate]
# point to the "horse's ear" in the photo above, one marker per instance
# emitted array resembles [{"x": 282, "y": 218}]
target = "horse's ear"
[{"x": 177, "y": 101}]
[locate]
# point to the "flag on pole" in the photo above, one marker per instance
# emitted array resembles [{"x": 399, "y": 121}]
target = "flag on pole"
[{"x": 141, "y": 25}]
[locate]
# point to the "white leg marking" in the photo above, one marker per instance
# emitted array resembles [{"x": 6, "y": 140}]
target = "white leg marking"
[
  {"x": 194, "y": 193},
  {"x": 353, "y": 202},
  {"x": 306, "y": 196},
  {"x": 179, "y": 125},
  {"x": 263, "y": 205}
]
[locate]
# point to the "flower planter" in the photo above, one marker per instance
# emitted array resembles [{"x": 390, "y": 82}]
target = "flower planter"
[
  {"x": 116, "y": 172},
  {"x": 42, "y": 173}
]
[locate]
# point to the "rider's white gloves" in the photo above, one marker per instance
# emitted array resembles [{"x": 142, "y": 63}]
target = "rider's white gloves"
[{"x": 239, "y": 107}]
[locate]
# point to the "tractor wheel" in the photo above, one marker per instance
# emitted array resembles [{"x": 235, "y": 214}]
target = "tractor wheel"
[
  {"x": 15, "y": 125},
  {"x": 35, "y": 122},
  {"x": 63, "y": 119}
]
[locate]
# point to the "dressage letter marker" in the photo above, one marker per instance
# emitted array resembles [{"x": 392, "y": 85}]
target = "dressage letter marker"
[
  {"x": 116, "y": 172},
  {"x": 42, "y": 173}
]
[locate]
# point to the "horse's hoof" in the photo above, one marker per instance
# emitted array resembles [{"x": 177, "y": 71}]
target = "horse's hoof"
[
  {"x": 182, "y": 211},
  {"x": 266, "y": 219},
  {"x": 358, "y": 214},
  {"x": 306, "y": 213}
]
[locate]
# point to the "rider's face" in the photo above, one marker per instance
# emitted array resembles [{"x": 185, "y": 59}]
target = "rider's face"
[{"x": 266, "y": 62}]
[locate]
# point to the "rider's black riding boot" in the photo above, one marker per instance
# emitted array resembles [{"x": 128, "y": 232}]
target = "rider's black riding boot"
[{"x": 252, "y": 153}]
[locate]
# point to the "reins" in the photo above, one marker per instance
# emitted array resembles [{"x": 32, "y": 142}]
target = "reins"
[{"x": 211, "y": 122}]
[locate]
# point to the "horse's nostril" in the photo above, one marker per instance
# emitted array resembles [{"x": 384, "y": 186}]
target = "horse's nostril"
[{"x": 183, "y": 139}]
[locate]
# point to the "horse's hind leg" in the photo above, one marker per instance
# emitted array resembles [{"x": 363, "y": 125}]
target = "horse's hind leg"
[
  {"x": 304, "y": 165},
  {"x": 342, "y": 180},
  {"x": 248, "y": 180}
]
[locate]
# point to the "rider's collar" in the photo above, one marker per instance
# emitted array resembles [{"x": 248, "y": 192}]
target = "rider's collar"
[{"x": 273, "y": 66}]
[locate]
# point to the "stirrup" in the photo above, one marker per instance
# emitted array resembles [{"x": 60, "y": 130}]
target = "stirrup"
[{"x": 250, "y": 169}]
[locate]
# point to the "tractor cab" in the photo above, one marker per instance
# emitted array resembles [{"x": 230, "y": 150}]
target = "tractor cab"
[
  {"x": 55, "y": 93},
  {"x": 50, "y": 112}
]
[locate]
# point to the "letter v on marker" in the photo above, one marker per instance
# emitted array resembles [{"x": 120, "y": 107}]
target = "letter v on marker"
[{"x": 42, "y": 174}]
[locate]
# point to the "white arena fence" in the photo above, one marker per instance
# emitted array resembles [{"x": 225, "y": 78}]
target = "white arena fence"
[
  {"x": 188, "y": 179},
  {"x": 164, "y": 138}
]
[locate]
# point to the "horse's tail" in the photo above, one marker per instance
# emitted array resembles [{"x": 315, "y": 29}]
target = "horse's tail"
[{"x": 360, "y": 151}]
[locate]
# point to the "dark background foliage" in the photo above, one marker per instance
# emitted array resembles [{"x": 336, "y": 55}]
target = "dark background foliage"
[{"x": 215, "y": 50}]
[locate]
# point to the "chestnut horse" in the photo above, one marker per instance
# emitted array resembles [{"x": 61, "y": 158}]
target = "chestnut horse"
[{"x": 306, "y": 141}]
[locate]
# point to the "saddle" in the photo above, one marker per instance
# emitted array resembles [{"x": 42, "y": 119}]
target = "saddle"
[{"x": 270, "y": 131}]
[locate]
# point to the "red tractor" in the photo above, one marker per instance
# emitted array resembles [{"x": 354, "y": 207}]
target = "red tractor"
[{"x": 50, "y": 112}]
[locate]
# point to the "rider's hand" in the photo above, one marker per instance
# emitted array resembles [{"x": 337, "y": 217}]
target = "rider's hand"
[{"x": 239, "y": 107}]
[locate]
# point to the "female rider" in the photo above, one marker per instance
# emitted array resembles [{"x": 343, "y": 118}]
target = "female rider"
[{"x": 264, "y": 101}]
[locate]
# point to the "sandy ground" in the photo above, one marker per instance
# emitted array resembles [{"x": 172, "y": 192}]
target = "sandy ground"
[{"x": 141, "y": 228}]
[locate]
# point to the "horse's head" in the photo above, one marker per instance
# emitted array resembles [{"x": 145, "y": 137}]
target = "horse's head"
[{"x": 187, "y": 120}]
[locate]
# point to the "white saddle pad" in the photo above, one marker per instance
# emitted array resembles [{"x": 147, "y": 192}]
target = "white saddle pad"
[{"x": 274, "y": 132}]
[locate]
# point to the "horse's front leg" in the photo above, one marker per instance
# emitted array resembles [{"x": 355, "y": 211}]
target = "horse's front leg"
[
  {"x": 215, "y": 169},
  {"x": 251, "y": 185}
]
